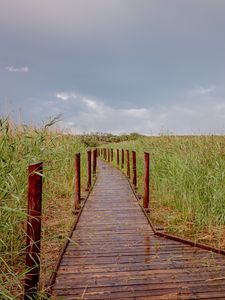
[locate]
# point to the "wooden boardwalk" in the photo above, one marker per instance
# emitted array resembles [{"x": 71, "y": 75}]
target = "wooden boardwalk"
[{"x": 113, "y": 253}]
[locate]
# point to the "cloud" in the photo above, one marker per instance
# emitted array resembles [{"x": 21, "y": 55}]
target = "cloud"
[
  {"x": 136, "y": 112},
  {"x": 19, "y": 70},
  {"x": 62, "y": 96},
  {"x": 90, "y": 103},
  {"x": 202, "y": 91},
  {"x": 85, "y": 114}
]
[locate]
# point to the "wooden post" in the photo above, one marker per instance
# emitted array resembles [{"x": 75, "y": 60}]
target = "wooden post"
[
  {"x": 122, "y": 165},
  {"x": 118, "y": 156},
  {"x": 33, "y": 230},
  {"x": 89, "y": 170},
  {"x": 134, "y": 169},
  {"x": 146, "y": 181},
  {"x": 104, "y": 153},
  {"x": 77, "y": 181},
  {"x": 94, "y": 161},
  {"x": 111, "y": 154},
  {"x": 108, "y": 155},
  {"x": 128, "y": 163}
]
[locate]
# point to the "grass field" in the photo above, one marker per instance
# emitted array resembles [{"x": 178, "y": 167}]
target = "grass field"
[
  {"x": 187, "y": 184},
  {"x": 19, "y": 147}
]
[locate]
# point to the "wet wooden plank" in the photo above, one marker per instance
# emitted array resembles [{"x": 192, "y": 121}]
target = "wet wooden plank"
[{"x": 113, "y": 253}]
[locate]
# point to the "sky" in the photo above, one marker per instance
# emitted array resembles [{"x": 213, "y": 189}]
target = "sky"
[{"x": 120, "y": 66}]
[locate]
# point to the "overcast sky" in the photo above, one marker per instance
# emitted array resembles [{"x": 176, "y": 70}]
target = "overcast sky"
[{"x": 148, "y": 66}]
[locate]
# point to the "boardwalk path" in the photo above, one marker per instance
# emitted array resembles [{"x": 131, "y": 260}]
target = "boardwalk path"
[{"x": 115, "y": 255}]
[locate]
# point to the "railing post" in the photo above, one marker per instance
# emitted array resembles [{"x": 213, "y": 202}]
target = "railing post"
[
  {"x": 33, "y": 230},
  {"x": 134, "y": 169},
  {"x": 94, "y": 161},
  {"x": 108, "y": 155},
  {"x": 77, "y": 181},
  {"x": 128, "y": 163},
  {"x": 146, "y": 181},
  {"x": 104, "y": 153},
  {"x": 111, "y": 154},
  {"x": 122, "y": 165},
  {"x": 89, "y": 170},
  {"x": 118, "y": 156}
]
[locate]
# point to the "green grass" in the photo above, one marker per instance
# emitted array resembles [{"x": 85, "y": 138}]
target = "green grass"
[
  {"x": 187, "y": 184},
  {"x": 19, "y": 147}
]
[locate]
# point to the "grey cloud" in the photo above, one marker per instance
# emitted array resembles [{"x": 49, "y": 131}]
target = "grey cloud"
[
  {"x": 94, "y": 115},
  {"x": 17, "y": 70}
]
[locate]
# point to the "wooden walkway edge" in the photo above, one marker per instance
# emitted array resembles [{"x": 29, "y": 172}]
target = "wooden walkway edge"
[{"x": 114, "y": 254}]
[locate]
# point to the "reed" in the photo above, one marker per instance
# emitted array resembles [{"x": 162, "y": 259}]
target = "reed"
[
  {"x": 187, "y": 184},
  {"x": 19, "y": 147}
]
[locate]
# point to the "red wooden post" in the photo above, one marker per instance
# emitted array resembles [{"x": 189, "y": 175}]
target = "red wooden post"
[
  {"x": 108, "y": 155},
  {"x": 89, "y": 170},
  {"x": 128, "y": 163},
  {"x": 104, "y": 153},
  {"x": 118, "y": 156},
  {"x": 33, "y": 230},
  {"x": 122, "y": 165},
  {"x": 94, "y": 161},
  {"x": 77, "y": 181},
  {"x": 134, "y": 168},
  {"x": 111, "y": 154},
  {"x": 146, "y": 181}
]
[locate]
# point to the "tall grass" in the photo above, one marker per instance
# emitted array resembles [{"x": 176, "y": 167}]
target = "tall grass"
[
  {"x": 187, "y": 184},
  {"x": 19, "y": 147}
]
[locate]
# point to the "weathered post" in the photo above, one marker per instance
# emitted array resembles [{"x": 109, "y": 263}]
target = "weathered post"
[
  {"x": 33, "y": 230},
  {"x": 94, "y": 161},
  {"x": 118, "y": 156},
  {"x": 122, "y": 165},
  {"x": 108, "y": 155},
  {"x": 89, "y": 170},
  {"x": 77, "y": 181},
  {"x": 146, "y": 181},
  {"x": 128, "y": 163},
  {"x": 111, "y": 154},
  {"x": 104, "y": 153},
  {"x": 134, "y": 169}
]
